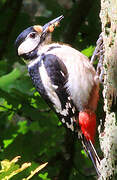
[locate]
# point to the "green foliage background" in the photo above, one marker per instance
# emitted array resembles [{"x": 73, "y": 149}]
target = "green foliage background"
[{"x": 28, "y": 128}]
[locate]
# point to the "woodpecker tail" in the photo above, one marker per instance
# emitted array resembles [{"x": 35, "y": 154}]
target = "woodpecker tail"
[
  {"x": 87, "y": 123},
  {"x": 91, "y": 152}
]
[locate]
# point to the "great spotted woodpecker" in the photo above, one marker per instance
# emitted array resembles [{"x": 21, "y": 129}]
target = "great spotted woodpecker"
[{"x": 65, "y": 79}]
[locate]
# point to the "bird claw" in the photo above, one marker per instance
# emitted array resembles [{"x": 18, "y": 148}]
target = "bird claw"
[{"x": 99, "y": 53}]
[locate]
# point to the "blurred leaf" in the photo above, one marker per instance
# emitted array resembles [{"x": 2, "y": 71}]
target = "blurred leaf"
[
  {"x": 7, "y": 142},
  {"x": 84, "y": 153},
  {"x": 3, "y": 67},
  {"x": 44, "y": 176},
  {"x": 23, "y": 128},
  {"x": 8, "y": 79},
  {"x": 88, "y": 51}
]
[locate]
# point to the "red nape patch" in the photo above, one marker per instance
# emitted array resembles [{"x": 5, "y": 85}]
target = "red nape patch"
[{"x": 87, "y": 122}]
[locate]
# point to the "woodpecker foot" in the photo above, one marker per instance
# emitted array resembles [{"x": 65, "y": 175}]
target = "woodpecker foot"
[
  {"x": 100, "y": 69},
  {"x": 99, "y": 53}
]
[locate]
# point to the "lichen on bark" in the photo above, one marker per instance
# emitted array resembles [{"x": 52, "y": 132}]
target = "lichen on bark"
[{"x": 108, "y": 139}]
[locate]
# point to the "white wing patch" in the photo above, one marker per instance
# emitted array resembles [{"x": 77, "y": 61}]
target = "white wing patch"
[
  {"x": 63, "y": 120},
  {"x": 70, "y": 126}
]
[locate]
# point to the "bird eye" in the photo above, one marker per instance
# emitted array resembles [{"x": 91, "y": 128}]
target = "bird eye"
[{"x": 32, "y": 35}]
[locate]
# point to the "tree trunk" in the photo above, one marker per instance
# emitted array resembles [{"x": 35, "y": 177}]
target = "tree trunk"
[{"x": 108, "y": 139}]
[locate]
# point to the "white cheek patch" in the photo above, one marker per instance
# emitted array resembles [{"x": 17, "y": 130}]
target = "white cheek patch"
[{"x": 28, "y": 45}]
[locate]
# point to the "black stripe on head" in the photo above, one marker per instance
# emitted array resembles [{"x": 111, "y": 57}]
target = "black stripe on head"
[
  {"x": 53, "y": 47},
  {"x": 23, "y": 35},
  {"x": 31, "y": 55}
]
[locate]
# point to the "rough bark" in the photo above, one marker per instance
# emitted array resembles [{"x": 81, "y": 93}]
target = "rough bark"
[{"x": 108, "y": 139}]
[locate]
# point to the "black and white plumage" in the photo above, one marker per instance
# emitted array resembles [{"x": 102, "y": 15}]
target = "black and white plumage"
[
  {"x": 49, "y": 79},
  {"x": 62, "y": 75}
]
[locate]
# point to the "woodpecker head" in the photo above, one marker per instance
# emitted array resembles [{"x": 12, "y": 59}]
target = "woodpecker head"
[{"x": 28, "y": 42}]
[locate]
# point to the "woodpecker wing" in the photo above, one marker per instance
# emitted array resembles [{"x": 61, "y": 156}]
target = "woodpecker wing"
[{"x": 49, "y": 75}]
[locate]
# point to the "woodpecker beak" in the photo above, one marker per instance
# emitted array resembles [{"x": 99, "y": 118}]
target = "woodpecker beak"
[
  {"x": 50, "y": 26},
  {"x": 47, "y": 28}
]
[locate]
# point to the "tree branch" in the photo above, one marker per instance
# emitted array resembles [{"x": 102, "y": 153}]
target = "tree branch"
[{"x": 67, "y": 163}]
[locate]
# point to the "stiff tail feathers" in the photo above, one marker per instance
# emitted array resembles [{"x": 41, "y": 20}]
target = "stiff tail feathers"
[{"x": 91, "y": 152}]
